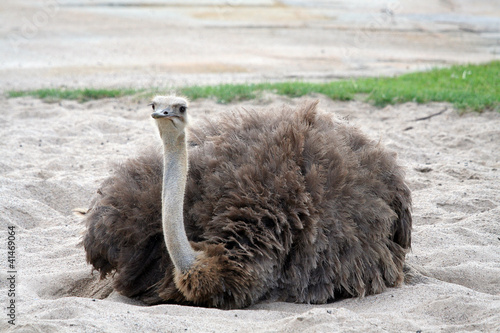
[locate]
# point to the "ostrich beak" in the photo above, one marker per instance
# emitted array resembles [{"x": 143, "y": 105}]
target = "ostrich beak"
[{"x": 165, "y": 113}]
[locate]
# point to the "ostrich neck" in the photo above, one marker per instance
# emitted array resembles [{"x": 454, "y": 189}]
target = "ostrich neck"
[{"x": 174, "y": 183}]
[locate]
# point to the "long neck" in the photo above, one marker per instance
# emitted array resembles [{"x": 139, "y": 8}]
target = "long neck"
[{"x": 174, "y": 183}]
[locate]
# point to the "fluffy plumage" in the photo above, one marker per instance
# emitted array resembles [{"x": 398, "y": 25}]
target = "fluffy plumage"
[{"x": 288, "y": 204}]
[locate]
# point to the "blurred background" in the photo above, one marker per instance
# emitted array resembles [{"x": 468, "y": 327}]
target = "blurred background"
[{"x": 133, "y": 43}]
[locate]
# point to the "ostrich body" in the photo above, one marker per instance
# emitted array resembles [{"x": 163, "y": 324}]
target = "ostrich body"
[{"x": 288, "y": 205}]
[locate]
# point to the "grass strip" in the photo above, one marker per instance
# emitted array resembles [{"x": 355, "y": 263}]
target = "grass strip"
[
  {"x": 474, "y": 87},
  {"x": 82, "y": 95},
  {"x": 467, "y": 87}
]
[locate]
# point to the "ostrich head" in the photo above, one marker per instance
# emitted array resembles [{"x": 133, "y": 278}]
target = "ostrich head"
[{"x": 170, "y": 113}]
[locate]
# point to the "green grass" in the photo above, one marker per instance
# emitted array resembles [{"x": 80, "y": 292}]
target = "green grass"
[
  {"x": 474, "y": 87},
  {"x": 467, "y": 87},
  {"x": 81, "y": 95}
]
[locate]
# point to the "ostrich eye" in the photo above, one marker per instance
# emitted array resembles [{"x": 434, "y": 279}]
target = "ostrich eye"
[
  {"x": 182, "y": 109},
  {"x": 152, "y": 106}
]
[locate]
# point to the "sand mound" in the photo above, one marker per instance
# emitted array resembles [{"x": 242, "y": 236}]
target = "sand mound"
[{"x": 53, "y": 157}]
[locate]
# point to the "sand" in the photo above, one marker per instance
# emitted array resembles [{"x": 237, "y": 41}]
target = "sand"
[
  {"x": 53, "y": 157},
  {"x": 158, "y": 43}
]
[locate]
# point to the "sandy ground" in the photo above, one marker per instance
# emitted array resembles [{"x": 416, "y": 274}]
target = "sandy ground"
[
  {"x": 75, "y": 43},
  {"x": 55, "y": 155}
]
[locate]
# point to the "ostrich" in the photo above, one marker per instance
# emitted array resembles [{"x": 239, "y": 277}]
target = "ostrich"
[{"x": 287, "y": 205}]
